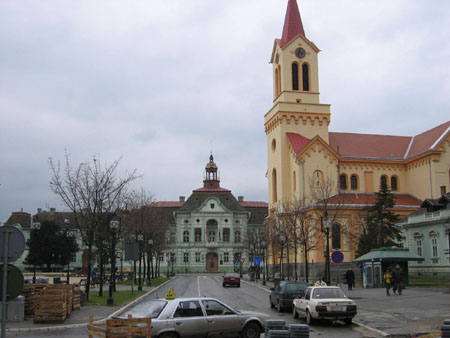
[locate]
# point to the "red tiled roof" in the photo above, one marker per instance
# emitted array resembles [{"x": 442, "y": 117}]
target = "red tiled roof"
[
  {"x": 211, "y": 190},
  {"x": 401, "y": 200},
  {"x": 249, "y": 204},
  {"x": 298, "y": 142},
  {"x": 371, "y": 146},
  {"x": 167, "y": 204},
  {"x": 292, "y": 23},
  {"x": 424, "y": 141}
]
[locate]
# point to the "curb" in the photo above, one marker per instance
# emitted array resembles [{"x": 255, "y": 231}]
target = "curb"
[{"x": 81, "y": 325}]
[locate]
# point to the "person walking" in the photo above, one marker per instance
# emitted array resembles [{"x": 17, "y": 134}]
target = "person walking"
[
  {"x": 397, "y": 276},
  {"x": 388, "y": 280},
  {"x": 350, "y": 277}
]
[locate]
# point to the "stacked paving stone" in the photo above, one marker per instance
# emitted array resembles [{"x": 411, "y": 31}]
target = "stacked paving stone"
[
  {"x": 445, "y": 329},
  {"x": 298, "y": 331}
]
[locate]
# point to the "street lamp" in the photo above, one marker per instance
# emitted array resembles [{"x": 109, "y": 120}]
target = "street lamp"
[
  {"x": 282, "y": 240},
  {"x": 69, "y": 235},
  {"x": 35, "y": 226},
  {"x": 150, "y": 262},
  {"x": 263, "y": 243},
  {"x": 327, "y": 227},
  {"x": 113, "y": 225},
  {"x": 140, "y": 239}
]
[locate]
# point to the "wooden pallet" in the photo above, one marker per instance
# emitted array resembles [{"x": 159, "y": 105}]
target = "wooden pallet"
[
  {"x": 51, "y": 306},
  {"x": 130, "y": 327},
  {"x": 28, "y": 292},
  {"x": 69, "y": 295}
]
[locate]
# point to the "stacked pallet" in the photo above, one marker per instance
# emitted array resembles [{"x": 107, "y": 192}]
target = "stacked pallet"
[
  {"x": 28, "y": 292},
  {"x": 51, "y": 306},
  {"x": 69, "y": 295},
  {"x": 130, "y": 327},
  {"x": 76, "y": 297}
]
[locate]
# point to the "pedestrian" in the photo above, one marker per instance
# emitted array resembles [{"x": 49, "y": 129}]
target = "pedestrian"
[
  {"x": 397, "y": 276},
  {"x": 350, "y": 277},
  {"x": 321, "y": 282},
  {"x": 387, "y": 280}
]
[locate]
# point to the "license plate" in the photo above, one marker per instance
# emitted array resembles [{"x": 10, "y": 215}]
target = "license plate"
[
  {"x": 232, "y": 279},
  {"x": 337, "y": 308}
]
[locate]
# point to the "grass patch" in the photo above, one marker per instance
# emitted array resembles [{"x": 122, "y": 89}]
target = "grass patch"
[
  {"x": 155, "y": 282},
  {"x": 120, "y": 297}
]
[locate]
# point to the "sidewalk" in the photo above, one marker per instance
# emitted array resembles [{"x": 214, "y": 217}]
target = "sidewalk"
[
  {"x": 80, "y": 318},
  {"x": 416, "y": 311}
]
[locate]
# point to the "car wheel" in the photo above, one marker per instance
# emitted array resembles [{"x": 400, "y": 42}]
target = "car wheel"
[
  {"x": 309, "y": 318},
  {"x": 348, "y": 321},
  {"x": 239, "y": 285},
  {"x": 223, "y": 284},
  {"x": 168, "y": 335},
  {"x": 279, "y": 308},
  {"x": 251, "y": 330},
  {"x": 294, "y": 313},
  {"x": 271, "y": 304}
]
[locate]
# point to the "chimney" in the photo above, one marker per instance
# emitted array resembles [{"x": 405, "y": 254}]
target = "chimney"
[
  {"x": 182, "y": 198},
  {"x": 443, "y": 190},
  {"x": 241, "y": 198}
]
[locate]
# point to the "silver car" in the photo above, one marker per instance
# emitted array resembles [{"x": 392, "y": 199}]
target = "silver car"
[{"x": 198, "y": 317}]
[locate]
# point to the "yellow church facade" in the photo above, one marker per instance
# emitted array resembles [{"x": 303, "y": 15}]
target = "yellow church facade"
[{"x": 338, "y": 173}]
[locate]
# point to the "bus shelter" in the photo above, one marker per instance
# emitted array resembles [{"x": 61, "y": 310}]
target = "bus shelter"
[{"x": 375, "y": 263}]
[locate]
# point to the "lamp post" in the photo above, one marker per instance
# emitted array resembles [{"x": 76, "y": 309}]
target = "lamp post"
[
  {"x": 326, "y": 229},
  {"x": 150, "y": 263},
  {"x": 35, "y": 226},
  {"x": 113, "y": 225},
  {"x": 69, "y": 235},
  {"x": 264, "y": 262},
  {"x": 282, "y": 240},
  {"x": 140, "y": 239}
]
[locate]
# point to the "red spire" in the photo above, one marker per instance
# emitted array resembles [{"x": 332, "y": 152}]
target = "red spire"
[{"x": 292, "y": 23}]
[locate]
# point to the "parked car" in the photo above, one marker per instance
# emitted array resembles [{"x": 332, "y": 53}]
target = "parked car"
[
  {"x": 324, "y": 302},
  {"x": 231, "y": 278},
  {"x": 198, "y": 317},
  {"x": 284, "y": 293}
]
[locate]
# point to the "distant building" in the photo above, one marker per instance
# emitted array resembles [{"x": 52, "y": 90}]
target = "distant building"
[
  {"x": 213, "y": 231},
  {"x": 427, "y": 233}
]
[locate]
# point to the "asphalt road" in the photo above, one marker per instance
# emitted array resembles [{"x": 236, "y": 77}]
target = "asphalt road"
[{"x": 247, "y": 297}]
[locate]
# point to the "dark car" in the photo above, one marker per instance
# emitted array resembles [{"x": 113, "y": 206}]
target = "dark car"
[
  {"x": 284, "y": 293},
  {"x": 231, "y": 278}
]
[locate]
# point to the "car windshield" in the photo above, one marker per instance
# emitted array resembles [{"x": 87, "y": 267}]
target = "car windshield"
[
  {"x": 328, "y": 293},
  {"x": 231, "y": 274},
  {"x": 295, "y": 287},
  {"x": 151, "y": 308}
]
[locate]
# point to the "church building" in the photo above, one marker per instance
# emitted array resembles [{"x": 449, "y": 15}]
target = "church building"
[{"x": 335, "y": 172}]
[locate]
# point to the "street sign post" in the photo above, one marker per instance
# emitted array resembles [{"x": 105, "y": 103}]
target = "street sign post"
[{"x": 337, "y": 256}]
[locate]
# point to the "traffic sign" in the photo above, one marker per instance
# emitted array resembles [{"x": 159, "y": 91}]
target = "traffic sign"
[
  {"x": 15, "y": 244},
  {"x": 337, "y": 256},
  {"x": 14, "y": 283},
  {"x": 257, "y": 261}
]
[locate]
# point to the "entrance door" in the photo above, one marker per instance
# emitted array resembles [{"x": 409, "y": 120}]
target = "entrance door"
[{"x": 212, "y": 262}]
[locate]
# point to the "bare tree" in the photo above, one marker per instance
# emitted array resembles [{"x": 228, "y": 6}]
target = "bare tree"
[{"x": 92, "y": 192}]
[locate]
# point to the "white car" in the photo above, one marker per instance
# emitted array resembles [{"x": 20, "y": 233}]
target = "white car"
[{"x": 324, "y": 302}]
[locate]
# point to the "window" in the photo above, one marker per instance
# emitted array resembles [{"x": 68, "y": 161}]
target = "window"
[
  {"x": 294, "y": 76},
  {"x": 214, "y": 308},
  {"x": 161, "y": 258},
  {"x": 278, "y": 81},
  {"x": 394, "y": 185},
  {"x": 186, "y": 236},
  {"x": 197, "y": 257},
  {"x": 354, "y": 182},
  {"x": 274, "y": 186},
  {"x": 343, "y": 182},
  {"x": 383, "y": 181},
  {"x": 294, "y": 178},
  {"x": 211, "y": 236},
  {"x": 188, "y": 309},
  {"x": 419, "y": 246},
  {"x": 305, "y": 74},
  {"x": 226, "y": 235},
  {"x": 186, "y": 257},
  {"x": 226, "y": 257},
  {"x": 237, "y": 236},
  {"x": 198, "y": 235},
  {"x": 172, "y": 237},
  {"x": 212, "y": 205},
  {"x": 172, "y": 257},
  {"x": 336, "y": 236},
  {"x": 318, "y": 179},
  {"x": 434, "y": 246}
]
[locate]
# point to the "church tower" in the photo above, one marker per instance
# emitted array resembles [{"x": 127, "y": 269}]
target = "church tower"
[{"x": 297, "y": 108}]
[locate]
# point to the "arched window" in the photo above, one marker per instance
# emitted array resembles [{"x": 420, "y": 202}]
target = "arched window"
[
  {"x": 274, "y": 186},
  {"x": 294, "y": 76},
  {"x": 336, "y": 236},
  {"x": 295, "y": 180},
  {"x": 343, "y": 182},
  {"x": 318, "y": 179},
  {"x": 186, "y": 236},
  {"x": 277, "y": 84},
  {"x": 226, "y": 235},
  {"x": 354, "y": 182},
  {"x": 383, "y": 182},
  {"x": 237, "y": 236},
  {"x": 211, "y": 236},
  {"x": 305, "y": 75},
  {"x": 434, "y": 244},
  {"x": 394, "y": 183}
]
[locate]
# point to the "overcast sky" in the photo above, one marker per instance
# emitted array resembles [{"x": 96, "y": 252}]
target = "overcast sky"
[{"x": 161, "y": 83}]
